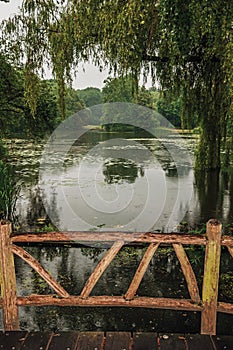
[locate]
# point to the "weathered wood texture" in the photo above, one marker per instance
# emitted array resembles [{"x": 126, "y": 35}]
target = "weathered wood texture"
[
  {"x": 230, "y": 249},
  {"x": 91, "y": 341},
  {"x": 117, "y": 340},
  {"x": 225, "y": 307},
  {"x": 63, "y": 340},
  {"x": 222, "y": 342},
  {"x": 188, "y": 272},
  {"x": 8, "y": 279},
  {"x": 211, "y": 277},
  {"x": 105, "y": 300},
  {"x": 36, "y": 341},
  {"x": 12, "y": 340},
  {"x": 171, "y": 342},
  {"x": 208, "y": 305},
  {"x": 82, "y": 237},
  {"x": 145, "y": 341},
  {"x": 100, "y": 268},
  {"x": 141, "y": 271},
  {"x": 140, "y": 237},
  {"x": 40, "y": 270},
  {"x": 194, "y": 342},
  {"x": 74, "y": 340}
]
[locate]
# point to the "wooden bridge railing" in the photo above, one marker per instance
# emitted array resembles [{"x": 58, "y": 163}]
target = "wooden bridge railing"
[{"x": 207, "y": 304}]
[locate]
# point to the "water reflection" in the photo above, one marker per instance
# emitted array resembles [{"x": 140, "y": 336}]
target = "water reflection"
[
  {"x": 212, "y": 192},
  {"x": 120, "y": 170},
  {"x": 164, "y": 278},
  {"x": 212, "y": 197}
]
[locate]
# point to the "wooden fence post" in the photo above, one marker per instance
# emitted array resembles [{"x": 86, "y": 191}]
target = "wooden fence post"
[
  {"x": 211, "y": 277},
  {"x": 8, "y": 279}
]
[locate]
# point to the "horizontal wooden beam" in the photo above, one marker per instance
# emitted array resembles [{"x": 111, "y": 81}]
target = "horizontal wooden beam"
[
  {"x": 88, "y": 237},
  {"x": 146, "y": 302},
  {"x": 230, "y": 249},
  {"x": 102, "y": 301},
  {"x": 129, "y": 237},
  {"x": 225, "y": 308}
]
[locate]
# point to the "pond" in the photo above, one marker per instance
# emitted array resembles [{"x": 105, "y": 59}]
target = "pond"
[
  {"x": 118, "y": 181},
  {"x": 124, "y": 181}
]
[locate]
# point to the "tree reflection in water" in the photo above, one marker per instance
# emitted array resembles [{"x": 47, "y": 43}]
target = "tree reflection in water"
[
  {"x": 120, "y": 170},
  {"x": 215, "y": 192},
  {"x": 163, "y": 278}
]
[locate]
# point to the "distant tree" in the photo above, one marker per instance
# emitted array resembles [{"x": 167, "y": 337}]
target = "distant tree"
[
  {"x": 187, "y": 46},
  {"x": 171, "y": 110},
  {"x": 12, "y": 101},
  {"x": 125, "y": 89},
  {"x": 118, "y": 90},
  {"x": 15, "y": 115},
  {"x": 91, "y": 96},
  {"x": 73, "y": 102},
  {"x": 47, "y": 113},
  {"x": 145, "y": 98}
]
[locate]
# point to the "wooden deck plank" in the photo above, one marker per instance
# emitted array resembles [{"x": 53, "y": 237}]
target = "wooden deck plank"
[
  {"x": 223, "y": 342},
  {"x": 117, "y": 341},
  {"x": 172, "y": 342},
  {"x": 197, "y": 341},
  {"x": 64, "y": 340},
  {"x": 12, "y": 340},
  {"x": 37, "y": 341},
  {"x": 90, "y": 341},
  {"x": 145, "y": 341},
  {"x": 72, "y": 340}
]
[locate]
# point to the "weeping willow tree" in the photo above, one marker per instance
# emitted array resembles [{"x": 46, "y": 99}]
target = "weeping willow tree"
[
  {"x": 187, "y": 46},
  {"x": 197, "y": 39}
]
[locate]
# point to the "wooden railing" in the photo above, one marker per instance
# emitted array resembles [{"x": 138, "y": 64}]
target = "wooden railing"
[{"x": 207, "y": 304}]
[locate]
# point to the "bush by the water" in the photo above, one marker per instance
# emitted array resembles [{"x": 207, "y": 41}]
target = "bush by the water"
[{"x": 8, "y": 191}]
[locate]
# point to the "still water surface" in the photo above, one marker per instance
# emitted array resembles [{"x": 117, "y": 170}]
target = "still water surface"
[{"x": 108, "y": 180}]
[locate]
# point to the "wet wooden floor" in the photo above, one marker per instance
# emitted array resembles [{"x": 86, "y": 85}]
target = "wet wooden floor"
[{"x": 22, "y": 340}]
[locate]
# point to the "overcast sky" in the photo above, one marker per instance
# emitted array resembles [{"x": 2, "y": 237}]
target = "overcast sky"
[{"x": 91, "y": 76}]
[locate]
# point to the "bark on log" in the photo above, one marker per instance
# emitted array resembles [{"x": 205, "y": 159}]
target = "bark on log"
[
  {"x": 230, "y": 249},
  {"x": 100, "y": 268},
  {"x": 40, "y": 270},
  {"x": 211, "y": 277},
  {"x": 141, "y": 271},
  {"x": 188, "y": 272},
  {"x": 87, "y": 237},
  {"x": 105, "y": 300},
  {"x": 8, "y": 279}
]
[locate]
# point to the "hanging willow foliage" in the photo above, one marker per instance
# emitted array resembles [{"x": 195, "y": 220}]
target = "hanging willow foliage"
[{"x": 186, "y": 45}]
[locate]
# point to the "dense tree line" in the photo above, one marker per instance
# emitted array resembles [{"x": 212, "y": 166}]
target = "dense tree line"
[
  {"x": 187, "y": 46},
  {"x": 17, "y": 119}
]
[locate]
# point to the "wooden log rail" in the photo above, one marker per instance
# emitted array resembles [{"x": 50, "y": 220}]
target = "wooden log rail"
[{"x": 206, "y": 303}]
